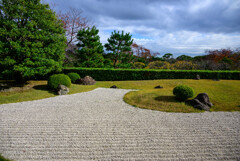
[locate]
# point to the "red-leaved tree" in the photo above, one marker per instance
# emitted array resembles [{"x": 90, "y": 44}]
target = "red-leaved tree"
[
  {"x": 142, "y": 52},
  {"x": 218, "y": 55},
  {"x": 73, "y": 21},
  {"x": 223, "y": 59}
]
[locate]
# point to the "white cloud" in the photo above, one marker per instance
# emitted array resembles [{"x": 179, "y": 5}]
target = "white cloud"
[
  {"x": 176, "y": 26},
  {"x": 198, "y": 5},
  {"x": 190, "y": 42},
  {"x": 179, "y": 42}
]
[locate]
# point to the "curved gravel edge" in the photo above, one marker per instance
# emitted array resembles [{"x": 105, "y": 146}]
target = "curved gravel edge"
[{"x": 99, "y": 125}]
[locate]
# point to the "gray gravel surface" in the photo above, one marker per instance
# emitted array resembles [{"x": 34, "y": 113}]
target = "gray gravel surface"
[{"x": 99, "y": 125}]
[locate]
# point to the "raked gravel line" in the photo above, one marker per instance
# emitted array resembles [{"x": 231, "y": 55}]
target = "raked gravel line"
[{"x": 99, "y": 125}]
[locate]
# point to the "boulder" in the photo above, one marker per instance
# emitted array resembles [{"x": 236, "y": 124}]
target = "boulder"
[
  {"x": 201, "y": 102},
  {"x": 197, "y": 77},
  {"x": 4, "y": 87},
  {"x": 158, "y": 87},
  {"x": 87, "y": 80},
  {"x": 114, "y": 86},
  {"x": 62, "y": 90}
]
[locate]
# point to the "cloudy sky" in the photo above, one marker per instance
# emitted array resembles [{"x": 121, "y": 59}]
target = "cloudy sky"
[{"x": 176, "y": 26}]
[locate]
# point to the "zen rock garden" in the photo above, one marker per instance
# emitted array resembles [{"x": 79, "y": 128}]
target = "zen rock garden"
[{"x": 87, "y": 80}]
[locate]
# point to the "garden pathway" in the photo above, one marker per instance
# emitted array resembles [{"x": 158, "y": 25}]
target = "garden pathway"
[{"x": 99, "y": 125}]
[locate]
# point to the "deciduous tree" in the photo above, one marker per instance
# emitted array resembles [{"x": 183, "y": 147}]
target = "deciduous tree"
[
  {"x": 141, "y": 52},
  {"x": 73, "y": 21},
  {"x": 223, "y": 59}
]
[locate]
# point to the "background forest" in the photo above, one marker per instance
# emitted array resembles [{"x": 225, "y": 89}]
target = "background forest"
[
  {"x": 35, "y": 40},
  {"x": 132, "y": 55}
]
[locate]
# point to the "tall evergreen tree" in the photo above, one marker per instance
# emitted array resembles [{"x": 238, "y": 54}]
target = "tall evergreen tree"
[
  {"x": 120, "y": 46},
  {"x": 90, "y": 52},
  {"x": 32, "y": 39}
]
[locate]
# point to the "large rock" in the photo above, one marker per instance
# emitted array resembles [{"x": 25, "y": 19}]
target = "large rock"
[
  {"x": 158, "y": 87},
  {"x": 114, "y": 86},
  {"x": 62, "y": 90},
  {"x": 197, "y": 77},
  {"x": 201, "y": 102},
  {"x": 4, "y": 87},
  {"x": 87, "y": 80}
]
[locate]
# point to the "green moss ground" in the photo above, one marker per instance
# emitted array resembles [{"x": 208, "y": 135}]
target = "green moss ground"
[{"x": 223, "y": 94}]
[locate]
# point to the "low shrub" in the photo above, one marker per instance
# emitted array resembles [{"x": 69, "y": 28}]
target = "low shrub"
[
  {"x": 183, "y": 92},
  {"x": 184, "y": 65},
  {"x": 73, "y": 77},
  {"x": 138, "y": 65},
  {"x": 159, "y": 65},
  {"x": 57, "y": 79}
]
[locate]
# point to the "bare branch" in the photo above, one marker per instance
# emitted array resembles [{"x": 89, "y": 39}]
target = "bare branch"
[{"x": 73, "y": 21}]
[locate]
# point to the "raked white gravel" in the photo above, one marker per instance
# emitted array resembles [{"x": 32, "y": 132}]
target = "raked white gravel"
[{"x": 99, "y": 125}]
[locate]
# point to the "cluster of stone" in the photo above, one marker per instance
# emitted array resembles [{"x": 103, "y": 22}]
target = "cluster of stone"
[{"x": 87, "y": 80}]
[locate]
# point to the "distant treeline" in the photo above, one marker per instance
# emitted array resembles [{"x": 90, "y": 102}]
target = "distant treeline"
[{"x": 41, "y": 43}]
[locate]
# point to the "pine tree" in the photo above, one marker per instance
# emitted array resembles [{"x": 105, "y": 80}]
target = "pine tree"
[
  {"x": 90, "y": 52},
  {"x": 32, "y": 39},
  {"x": 120, "y": 46}
]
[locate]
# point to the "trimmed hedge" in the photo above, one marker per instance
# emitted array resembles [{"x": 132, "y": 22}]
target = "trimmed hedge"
[
  {"x": 57, "y": 79},
  {"x": 101, "y": 74},
  {"x": 183, "y": 92},
  {"x": 73, "y": 77}
]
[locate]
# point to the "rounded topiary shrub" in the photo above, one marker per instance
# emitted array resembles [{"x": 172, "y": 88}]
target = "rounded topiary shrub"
[
  {"x": 73, "y": 77},
  {"x": 159, "y": 65},
  {"x": 183, "y": 92},
  {"x": 138, "y": 65},
  {"x": 57, "y": 79}
]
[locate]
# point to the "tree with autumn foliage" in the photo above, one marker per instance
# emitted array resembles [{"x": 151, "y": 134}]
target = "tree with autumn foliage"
[
  {"x": 184, "y": 65},
  {"x": 119, "y": 44},
  {"x": 159, "y": 65},
  {"x": 235, "y": 57},
  {"x": 223, "y": 59},
  {"x": 73, "y": 21},
  {"x": 141, "y": 52}
]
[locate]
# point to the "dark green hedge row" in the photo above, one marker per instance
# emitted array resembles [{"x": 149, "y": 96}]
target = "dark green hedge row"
[{"x": 101, "y": 74}]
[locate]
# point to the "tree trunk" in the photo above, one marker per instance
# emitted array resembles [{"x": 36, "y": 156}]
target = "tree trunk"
[
  {"x": 20, "y": 80},
  {"x": 114, "y": 63}
]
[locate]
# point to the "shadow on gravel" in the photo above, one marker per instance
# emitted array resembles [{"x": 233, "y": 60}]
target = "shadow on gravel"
[{"x": 44, "y": 88}]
